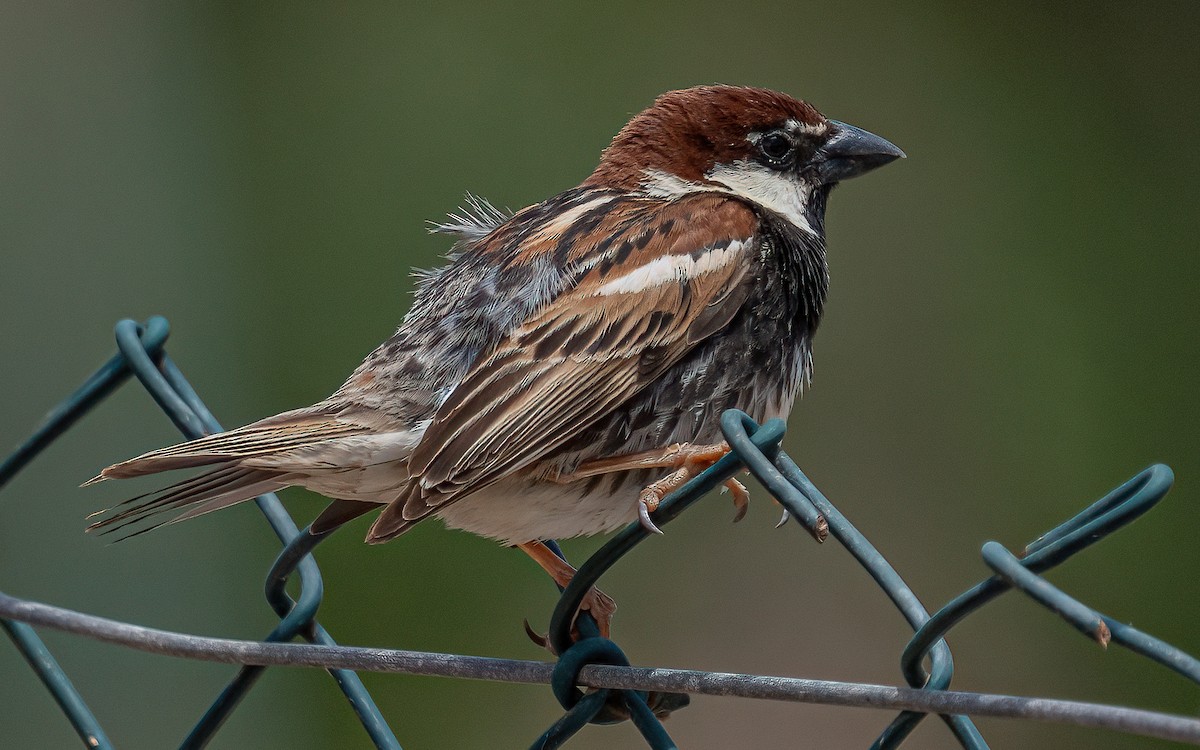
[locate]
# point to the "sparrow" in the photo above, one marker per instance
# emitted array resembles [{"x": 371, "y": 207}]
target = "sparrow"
[{"x": 569, "y": 364}]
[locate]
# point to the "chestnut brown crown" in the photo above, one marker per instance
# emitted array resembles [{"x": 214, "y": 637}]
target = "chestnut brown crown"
[{"x": 686, "y": 133}]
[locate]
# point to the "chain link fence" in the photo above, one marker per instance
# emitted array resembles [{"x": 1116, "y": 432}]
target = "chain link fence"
[{"x": 616, "y": 691}]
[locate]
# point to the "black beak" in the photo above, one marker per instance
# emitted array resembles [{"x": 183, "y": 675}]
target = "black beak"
[{"x": 850, "y": 152}]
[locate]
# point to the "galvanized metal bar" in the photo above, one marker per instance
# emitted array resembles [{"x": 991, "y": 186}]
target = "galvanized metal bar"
[
  {"x": 824, "y": 692},
  {"x": 612, "y": 551},
  {"x": 757, "y": 448},
  {"x": 621, "y": 692}
]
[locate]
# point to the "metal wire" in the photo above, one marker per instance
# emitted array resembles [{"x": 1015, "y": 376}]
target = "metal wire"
[
  {"x": 391, "y": 661},
  {"x": 618, "y": 691},
  {"x": 757, "y": 448},
  {"x": 141, "y": 355}
]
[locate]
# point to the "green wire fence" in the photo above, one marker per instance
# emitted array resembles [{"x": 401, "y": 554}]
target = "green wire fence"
[{"x": 617, "y": 691}]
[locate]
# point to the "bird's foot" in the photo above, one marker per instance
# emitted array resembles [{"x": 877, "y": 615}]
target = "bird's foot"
[
  {"x": 689, "y": 460},
  {"x": 596, "y": 603},
  {"x": 650, "y": 497}
]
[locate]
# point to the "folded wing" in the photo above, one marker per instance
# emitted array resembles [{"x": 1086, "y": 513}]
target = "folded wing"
[{"x": 633, "y": 314}]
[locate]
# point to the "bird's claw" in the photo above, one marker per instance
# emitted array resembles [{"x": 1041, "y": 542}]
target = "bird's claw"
[
  {"x": 648, "y": 503},
  {"x": 596, "y": 603},
  {"x": 741, "y": 498},
  {"x": 540, "y": 639}
]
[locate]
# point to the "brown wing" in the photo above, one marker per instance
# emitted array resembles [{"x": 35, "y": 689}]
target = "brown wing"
[{"x": 585, "y": 353}]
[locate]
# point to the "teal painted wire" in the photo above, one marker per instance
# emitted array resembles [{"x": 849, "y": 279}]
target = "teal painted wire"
[
  {"x": 297, "y": 620},
  {"x": 616, "y": 548},
  {"x": 1077, "y": 614},
  {"x": 1116, "y": 509},
  {"x": 1154, "y": 648},
  {"x": 95, "y": 389},
  {"x": 225, "y": 651},
  {"x": 753, "y": 446},
  {"x": 800, "y": 496},
  {"x": 141, "y": 355},
  {"x": 738, "y": 427},
  {"x": 600, "y": 706},
  {"x": 145, "y": 368},
  {"x": 597, "y": 707},
  {"x": 1086, "y": 620},
  {"x": 572, "y": 721},
  {"x": 591, "y": 650},
  {"x": 757, "y": 448},
  {"x": 85, "y": 723},
  {"x": 179, "y": 400},
  {"x": 595, "y": 566},
  {"x": 647, "y": 722}
]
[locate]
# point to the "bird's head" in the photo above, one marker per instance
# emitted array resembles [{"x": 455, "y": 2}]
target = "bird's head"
[{"x": 760, "y": 145}]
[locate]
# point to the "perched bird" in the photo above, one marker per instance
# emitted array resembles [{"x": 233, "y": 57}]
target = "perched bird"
[{"x": 570, "y": 355}]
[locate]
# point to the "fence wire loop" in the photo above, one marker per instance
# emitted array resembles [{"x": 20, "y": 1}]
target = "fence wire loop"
[
  {"x": 566, "y": 673},
  {"x": 602, "y": 705},
  {"x": 641, "y": 696}
]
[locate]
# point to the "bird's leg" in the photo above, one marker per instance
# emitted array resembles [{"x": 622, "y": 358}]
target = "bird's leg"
[
  {"x": 686, "y": 459},
  {"x": 600, "y": 605}
]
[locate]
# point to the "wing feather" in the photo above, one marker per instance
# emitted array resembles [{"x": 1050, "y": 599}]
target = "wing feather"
[{"x": 585, "y": 353}]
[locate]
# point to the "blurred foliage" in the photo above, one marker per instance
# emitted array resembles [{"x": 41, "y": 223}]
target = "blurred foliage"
[{"x": 1011, "y": 332}]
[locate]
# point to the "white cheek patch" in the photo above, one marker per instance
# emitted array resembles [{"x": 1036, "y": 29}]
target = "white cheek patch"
[
  {"x": 745, "y": 179},
  {"x": 671, "y": 268},
  {"x": 768, "y": 188}
]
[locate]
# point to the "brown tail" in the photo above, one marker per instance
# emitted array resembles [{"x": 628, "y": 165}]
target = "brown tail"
[
  {"x": 230, "y": 481},
  {"x": 202, "y": 494},
  {"x": 276, "y": 434}
]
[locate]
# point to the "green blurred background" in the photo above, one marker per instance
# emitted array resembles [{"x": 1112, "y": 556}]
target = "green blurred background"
[{"x": 1011, "y": 331}]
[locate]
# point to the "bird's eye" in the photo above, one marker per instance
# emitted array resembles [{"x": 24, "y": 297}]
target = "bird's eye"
[{"x": 777, "y": 150}]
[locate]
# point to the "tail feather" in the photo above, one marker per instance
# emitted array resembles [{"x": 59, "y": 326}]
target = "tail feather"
[
  {"x": 281, "y": 433},
  {"x": 234, "y": 496},
  {"x": 261, "y": 457},
  {"x": 156, "y": 498},
  {"x": 205, "y": 493}
]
